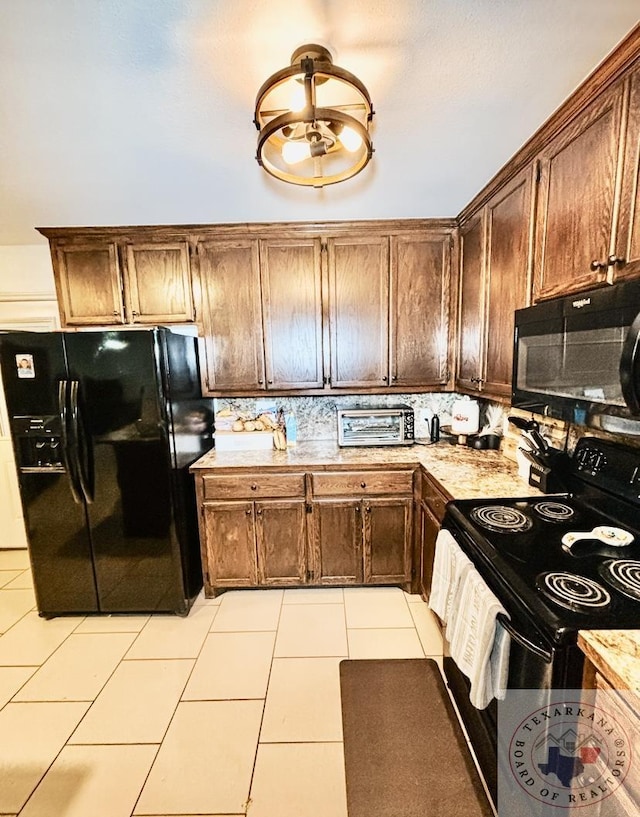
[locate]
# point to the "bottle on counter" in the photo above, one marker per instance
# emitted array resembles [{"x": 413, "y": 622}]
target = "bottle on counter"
[
  {"x": 291, "y": 428},
  {"x": 434, "y": 429}
]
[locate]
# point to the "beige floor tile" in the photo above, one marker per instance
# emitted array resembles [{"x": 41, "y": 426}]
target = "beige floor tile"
[
  {"x": 205, "y": 763},
  {"x": 78, "y": 669},
  {"x": 413, "y": 598},
  {"x": 379, "y": 607},
  {"x": 7, "y": 576},
  {"x": 299, "y": 780},
  {"x": 313, "y": 630},
  {"x": 11, "y": 679},
  {"x": 32, "y": 640},
  {"x": 14, "y": 605},
  {"x": 314, "y": 595},
  {"x": 174, "y": 636},
  {"x": 303, "y": 701},
  {"x": 31, "y": 735},
  {"x": 81, "y": 782},
  {"x": 243, "y": 610},
  {"x": 428, "y": 628},
  {"x": 136, "y": 704},
  {"x": 231, "y": 665},
  {"x": 385, "y": 642},
  {"x": 112, "y": 624},
  {"x": 14, "y": 559},
  {"x": 23, "y": 581}
]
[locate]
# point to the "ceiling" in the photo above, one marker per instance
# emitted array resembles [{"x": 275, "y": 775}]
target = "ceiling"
[{"x": 140, "y": 111}]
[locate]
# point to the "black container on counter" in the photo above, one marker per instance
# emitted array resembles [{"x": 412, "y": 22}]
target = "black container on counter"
[{"x": 434, "y": 429}]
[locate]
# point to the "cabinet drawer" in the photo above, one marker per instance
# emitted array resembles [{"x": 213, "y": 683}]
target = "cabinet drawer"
[
  {"x": 362, "y": 483},
  {"x": 433, "y": 498},
  {"x": 251, "y": 486}
]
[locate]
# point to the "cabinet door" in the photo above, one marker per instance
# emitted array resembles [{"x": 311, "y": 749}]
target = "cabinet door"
[
  {"x": 359, "y": 311},
  {"x": 158, "y": 283},
  {"x": 420, "y": 274},
  {"x": 230, "y": 283},
  {"x": 577, "y": 193},
  {"x": 88, "y": 283},
  {"x": 336, "y": 542},
  {"x": 281, "y": 542},
  {"x": 229, "y": 552},
  {"x": 627, "y": 245},
  {"x": 507, "y": 277},
  {"x": 292, "y": 313},
  {"x": 471, "y": 303},
  {"x": 387, "y": 540}
]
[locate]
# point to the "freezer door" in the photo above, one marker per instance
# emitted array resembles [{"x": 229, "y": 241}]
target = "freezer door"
[
  {"x": 122, "y": 415},
  {"x": 55, "y": 521}
]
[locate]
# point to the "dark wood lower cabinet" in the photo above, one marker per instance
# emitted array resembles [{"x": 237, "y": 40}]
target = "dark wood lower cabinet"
[{"x": 293, "y": 541}]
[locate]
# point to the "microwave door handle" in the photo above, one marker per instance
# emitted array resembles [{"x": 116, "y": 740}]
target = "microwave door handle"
[
  {"x": 629, "y": 367},
  {"x": 546, "y": 655}
]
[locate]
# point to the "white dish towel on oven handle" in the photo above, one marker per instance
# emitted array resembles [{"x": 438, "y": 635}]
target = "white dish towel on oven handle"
[{"x": 479, "y": 644}]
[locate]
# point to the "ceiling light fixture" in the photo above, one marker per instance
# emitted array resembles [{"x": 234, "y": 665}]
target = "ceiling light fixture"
[{"x": 313, "y": 119}]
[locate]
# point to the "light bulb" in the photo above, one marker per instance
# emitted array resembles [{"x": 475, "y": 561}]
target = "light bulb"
[
  {"x": 294, "y": 152},
  {"x": 298, "y": 99},
  {"x": 350, "y": 139}
]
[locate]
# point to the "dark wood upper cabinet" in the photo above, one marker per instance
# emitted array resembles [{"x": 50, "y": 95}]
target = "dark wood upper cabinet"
[
  {"x": 232, "y": 319},
  {"x": 158, "y": 283},
  {"x": 471, "y": 303},
  {"x": 577, "y": 195},
  {"x": 507, "y": 277},
  {"x": 291, "y": 273},
  {"x": 102, "y": 283},
  {"x": 419, "y": 309},
  {"x": 627, "y": 244},
  {"x": 88, "y": 283},
  {"x": 359, "y": 310}
]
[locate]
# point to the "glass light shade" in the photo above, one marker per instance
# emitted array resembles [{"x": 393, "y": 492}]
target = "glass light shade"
[
  {"x": 350, "y": 139},
  {"x": 294, "y": 152}
]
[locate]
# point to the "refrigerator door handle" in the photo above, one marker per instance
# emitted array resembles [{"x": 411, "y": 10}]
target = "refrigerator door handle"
[
  {"x": 84, "y": 460},
  {"x": 66, "y": 459}
]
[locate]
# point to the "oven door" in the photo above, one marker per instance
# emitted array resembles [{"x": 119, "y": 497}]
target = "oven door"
[{"x": 536, "y": 663}]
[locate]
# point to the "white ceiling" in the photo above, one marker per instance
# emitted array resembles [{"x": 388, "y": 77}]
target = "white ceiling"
[{"x": 140, "y": 111}]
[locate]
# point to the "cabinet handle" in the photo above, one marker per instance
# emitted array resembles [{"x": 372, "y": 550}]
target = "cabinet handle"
[
  {"x": 596, "y": 265},
  {"x": 617, "y": 261},
  {"x": 363, "y": 484},
  {"x": 135, "y": 314},
  {"x": 254, "y": 487}
]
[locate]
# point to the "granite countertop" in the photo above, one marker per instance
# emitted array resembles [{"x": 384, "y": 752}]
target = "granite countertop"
[
  {"x": 463, "y": 473},
  {"x": 616, "y": 655}
]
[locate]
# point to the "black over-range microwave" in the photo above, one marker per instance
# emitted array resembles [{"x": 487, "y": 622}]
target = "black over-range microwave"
[{"x": 576, "y": 358}]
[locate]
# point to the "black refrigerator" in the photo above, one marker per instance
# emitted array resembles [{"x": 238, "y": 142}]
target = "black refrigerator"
[{"x": 104, "y": 426}]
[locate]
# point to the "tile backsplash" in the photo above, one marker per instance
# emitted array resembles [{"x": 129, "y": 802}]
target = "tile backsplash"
[{"x": 316, "y": 416}]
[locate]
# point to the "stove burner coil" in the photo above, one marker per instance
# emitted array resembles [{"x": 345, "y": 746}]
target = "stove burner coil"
[
  {"x": 624, "y": 575},
  {"x": 573, "y": 592},
  {"x": 501, "y": 519},
  {"x": 553, "y": 511}
]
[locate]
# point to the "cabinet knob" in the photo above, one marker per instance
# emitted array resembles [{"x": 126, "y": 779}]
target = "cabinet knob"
[
  {"x": 259, "y": 512},
  {"x": 394, "y": 378},
  {"x": 135, "y": 314},
  {"x": 384, "y": 379},
  {"x": 260, "y": 382},
  {"x": 248, "y": 512},
  {"x": 616, "y": 260},
  {"x": 116, "y": 314},
  {"x": 363, "y": 484},
  {"x": 368, "y": 508},
  {"x": 596, "y": 265},
  {"x": 270, "y": 382},
  {"x": 254, "y": 487}
]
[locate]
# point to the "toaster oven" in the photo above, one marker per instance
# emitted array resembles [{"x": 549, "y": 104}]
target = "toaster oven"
[{"x": 393, "y": 425}]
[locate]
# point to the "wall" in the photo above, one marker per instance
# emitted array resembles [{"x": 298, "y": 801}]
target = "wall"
[
  {"x": 317, "y": 419},
  {"x": 27, "y": 301}
]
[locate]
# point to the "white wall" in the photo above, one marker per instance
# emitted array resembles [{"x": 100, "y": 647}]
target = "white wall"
[{"x": 27, "y": 301}]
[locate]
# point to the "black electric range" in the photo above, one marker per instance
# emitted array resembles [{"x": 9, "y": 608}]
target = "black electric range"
[
  {"x": 551, "y": 581},
  {"x": 570, "y": 561}
]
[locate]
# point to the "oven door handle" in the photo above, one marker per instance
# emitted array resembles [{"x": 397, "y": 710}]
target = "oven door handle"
[{"x": 524, "y": 642}]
